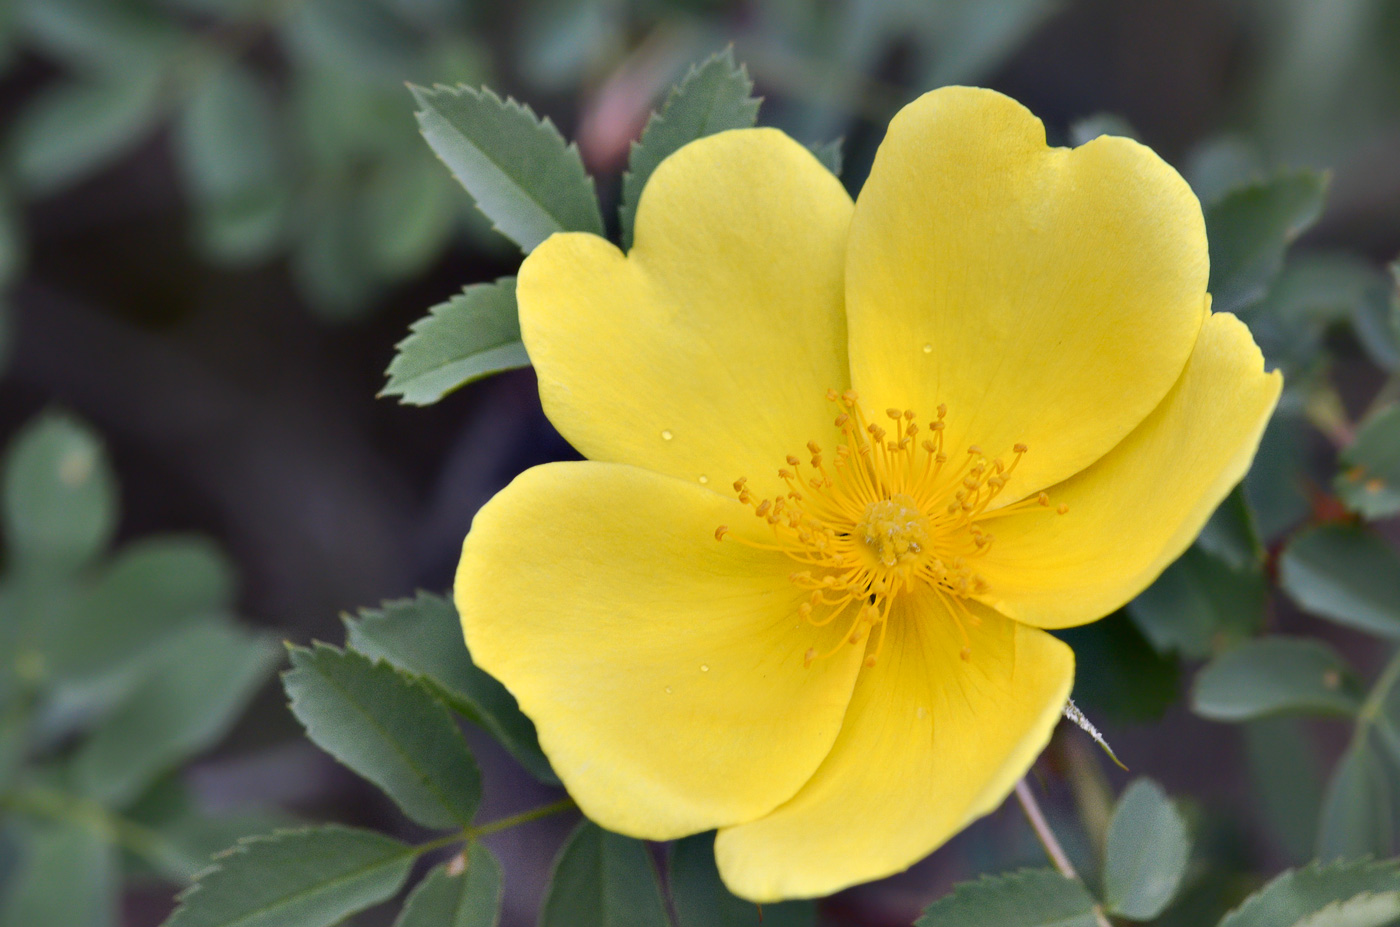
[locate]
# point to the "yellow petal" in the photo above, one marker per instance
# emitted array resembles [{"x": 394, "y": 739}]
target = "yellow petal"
[
  {"x": 1048, "y": 296},
  {"x": 930, "y": 743},
  {"x": 708, "y": 349},
  {"x": 1133, "y": 512},
  {"x": 662, "y": 668}
]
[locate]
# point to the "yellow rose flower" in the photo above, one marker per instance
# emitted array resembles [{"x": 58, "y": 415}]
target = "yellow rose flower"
[{"x": 1020, "y": 409}]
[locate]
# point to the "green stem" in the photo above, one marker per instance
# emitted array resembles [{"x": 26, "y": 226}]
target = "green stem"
[
  {"x": 1049, "y": 842},
  {"x": 1374, "y": 705},
  {"x": 524, "y": 817},
  {"x": 125, "y": 833}
]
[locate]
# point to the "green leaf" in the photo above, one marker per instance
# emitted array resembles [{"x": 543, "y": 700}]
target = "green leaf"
[
  {"x": 150, "y": 588},
  {"x": 1275, "y": 485},
  {"x": 423, "y": 636},
  {"x": 701, "y": 900},
  {"x": 67, "y": 875},
  {"x": 389, "y": 728},
  {"x": 1118, "y": 674},
  {"x": 1296, "y": 897},
  {"x": 448, "y": 898},
  {"x": 1029, "y": 898},
  {"x": 1249, "y": 229},
  {"x": 472, "y": 335},
  {"x": 714, "y": 96},
  {"x": 1369, "y": 483},
  {"x": 1231, "y": 534},
  {"x": 1313, "y": 293},
  {"x": 602, "y": 879},
  {"x": 1200, "y": 605},
  {"x": 1356, "y": 810},
  {"x": 303, "y": 878},
  {"x": 515, "y": 165},
  {"x": 193, "y": 692},
  {"x": 60, "y": 505},
  {"x": 75, "y": 127},
  {"x": 1286, "y": 774},
  {"x": 1274, "y": 675},
  {"x": 226, "y": 139},
  {"x": 1347, "y": 574},
  {"x": 829, "y": 154},
  {"x": 1148, "y": 848}
]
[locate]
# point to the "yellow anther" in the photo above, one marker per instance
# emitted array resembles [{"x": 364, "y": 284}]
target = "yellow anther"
[
  {"x": 974, "y": 450},
  {"x": 832, "y": 395},
  {"x": 763, "y": 508},
  {"x": 1019, "y": 448},
  {"x": 842, "y": 419},
  {"x": 720, "y": 532},
  {"x": 739, "y": 483},
  {"x": 809, "y": 656},
  {"x": 1043, "y": 499},
  {"x": 785, "y": 474},
  {"x": 1062, "y": 509},
  {"x": 793, "y": 461},
  {"x": 850, "y": 397},
  {"x": 966, "y": 654}
]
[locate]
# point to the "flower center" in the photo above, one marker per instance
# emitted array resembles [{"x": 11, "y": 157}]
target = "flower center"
[
  {"x": 895, "y": 531},
  {"x": 889, "y": 514}
]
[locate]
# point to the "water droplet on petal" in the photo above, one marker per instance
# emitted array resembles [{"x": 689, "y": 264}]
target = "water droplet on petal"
[
  {"x": 666, "y": 435},
  {"x": 922, "y": 712},
  {"x": 928, "y": 349},
  {"x": 704, "y": 667},
  {"x": 668, "y": 690},
  {"x": 704, "y": 479}
]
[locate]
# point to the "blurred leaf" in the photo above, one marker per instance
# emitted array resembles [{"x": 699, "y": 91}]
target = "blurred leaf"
[
  {"x": 60, "y": 505},
  {"x": 1356, "y": 811},
  {"x": 1369, "y": 483},
  {"x": 1292, "y": 899},
  {"x": 329, "y": 262},
  {"x": 99, "y": 34},
  {"x": 194, "y": 691},
  {"x": 1311, "y": 294},
  {"x": 1275, "y": 485},
  {"x": 151, "y": 587},
  {"x": 362, "y": 41},
  {"x": 406, "y": 214},
  {"x": 1222, "y": 163},
  {"x": 304, "y": 878},
  {"x": 1231, "y": 534},
  {"x": 423, "y": 636},
  {"x": 829, "y": 154},
  {"x": 1200, "y": 605},
  {"x": 701, "y": 900},
  {"x": 1029, "y": 898},
  {"x": 470, "y": 899},
  {"x": 73, "y": 128},
  {"x": 1118, "y": 674},
  {"x": 189, "y": 835},
  {"x": 12, "y": 245},
  {"x": 1273, "y": 675},
  {"x": 714, "y": 96},
  {"x": 602, "y": 879},
  {"x": 387, "y": 727},
  {"x": 226, "y": 140},
  {"x": 67, "y": 876},
  {"x": 514, "y": 164},
  {"x": 1091, "y": 127},
  {"x": 1148, "y": 848},
  {"x": 969, "y": 39},
  {"x": 1287, "y": 781},
  {"x": 1249, "y": 229},
  {"x": 472, "y": 335},
  {"x": 1347, "y": 574}
]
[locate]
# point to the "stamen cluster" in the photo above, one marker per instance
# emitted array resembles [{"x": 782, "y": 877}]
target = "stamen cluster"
[{"x": 889, "y": 513}]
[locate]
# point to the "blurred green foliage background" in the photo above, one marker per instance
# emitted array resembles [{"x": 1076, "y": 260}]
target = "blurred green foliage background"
[{"x": 217, "y": 217}]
